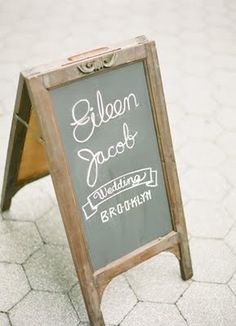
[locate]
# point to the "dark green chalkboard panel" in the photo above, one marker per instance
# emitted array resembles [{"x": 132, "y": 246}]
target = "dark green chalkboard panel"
[{"x": 110, "y": 142}]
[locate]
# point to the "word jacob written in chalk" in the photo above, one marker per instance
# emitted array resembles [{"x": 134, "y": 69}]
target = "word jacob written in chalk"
[{"x": 86, "y": 119}]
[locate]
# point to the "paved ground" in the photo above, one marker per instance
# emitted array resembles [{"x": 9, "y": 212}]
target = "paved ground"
[{"x": 197, "y": 49}]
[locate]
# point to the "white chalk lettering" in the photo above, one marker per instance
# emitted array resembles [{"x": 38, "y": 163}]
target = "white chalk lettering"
[
  {"x": 119, "y": 184},
  {"x": 104, "y": 217},
  {"x": 99, "y": 158},
  {"x": 86, "y": 118},
  {"x": 146, "y": 176},
  {"x": 127, "y": 205}
]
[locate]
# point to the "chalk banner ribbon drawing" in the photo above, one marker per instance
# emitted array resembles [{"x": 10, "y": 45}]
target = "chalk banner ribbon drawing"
[{"x": 118, "y": 185}]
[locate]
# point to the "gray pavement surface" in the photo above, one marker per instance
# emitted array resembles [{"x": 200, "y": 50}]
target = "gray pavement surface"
[{"x": 196, "y": 42}]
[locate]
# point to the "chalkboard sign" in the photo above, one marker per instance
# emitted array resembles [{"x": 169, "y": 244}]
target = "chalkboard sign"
[
  {"x": 101, "y": 119},
  {"x": 108, "y": 134}
]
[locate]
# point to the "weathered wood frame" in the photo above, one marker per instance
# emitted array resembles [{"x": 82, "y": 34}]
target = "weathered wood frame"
[{"x": 33, "y": 92}]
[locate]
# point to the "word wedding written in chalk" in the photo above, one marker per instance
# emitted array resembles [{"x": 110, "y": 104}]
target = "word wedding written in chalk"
[{"x": 85, "y": 121}]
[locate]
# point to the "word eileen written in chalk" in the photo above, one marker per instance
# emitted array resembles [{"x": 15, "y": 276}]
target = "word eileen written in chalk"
[{"x": 86, "y": 118}]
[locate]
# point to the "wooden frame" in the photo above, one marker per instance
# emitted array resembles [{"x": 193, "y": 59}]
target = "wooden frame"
[{"x": 33, "y": 93}]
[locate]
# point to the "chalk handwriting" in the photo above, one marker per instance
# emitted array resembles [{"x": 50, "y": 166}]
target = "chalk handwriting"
[
  {"x": 127, "y": 205},
  {"x": 86, "y": 118},
  {"x": 146, "y": 176},
  {"x": 119, "y": 185},
  {"x": 99, "y": 158}
]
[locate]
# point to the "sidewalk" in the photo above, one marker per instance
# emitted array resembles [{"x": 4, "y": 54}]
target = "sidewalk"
[{"x": 196, "y": 42}]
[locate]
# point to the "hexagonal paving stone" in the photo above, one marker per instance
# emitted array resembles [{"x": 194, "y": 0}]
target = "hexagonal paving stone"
[
  {"x": 203, "y": 104},
  {"x": 30, "y": 203},
  {"x": 3, "y": 154},
  {"x": 77, "y": 299},
  {"x": 204, "y": 184},
  {"x": 228, "y": 169},
  {"x": 227, "y": 117},
  {"x": 212, "y": 260},
  {"x": 200, "y": 128},
  {"x": 51, "y": 268},
  {"x": 230, "y": 203},
  {"x": 153, "y": 314},
  {"x": 224, "y": 77},
  {"x": 231, "y": 239},
  {"x": 200, "y": 68},
  {"x": 47, "y": 185},
  {"x": 158, "y": 279},
  {"x": 178, "y": 138},
  {"x": 202, "y": 154},
  {"x": 176, "y": 114},
  {"x": 18, "y": 241},
  {"x": 4, "y": 321},
  {"x": 224, "y": 61},
  {"x": 227, "y": 142},
  {"x": 118, "y": 299},
  {"x": 5, "y": 124},
  {"x": 225, "y": 94},
  {"x": 51, "y": 227},
  {"x": 232, "y": 283},
  {"x": 208, "y": 305},
  {"x": 13, "y": 285},
  {"x": 44, "y": 309},
  {"x": 207, "y": 219}
]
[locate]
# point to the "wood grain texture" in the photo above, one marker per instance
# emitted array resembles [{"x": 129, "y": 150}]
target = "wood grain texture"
[
  {"x": 71, "y": 72},
  {"x": 66, "y": 198},
  {"x": 15, "y": 145},
  {"x": 104, "y": 275},
  {"x": 167, "y": 156},
  {"x": 33, "y": 161}
]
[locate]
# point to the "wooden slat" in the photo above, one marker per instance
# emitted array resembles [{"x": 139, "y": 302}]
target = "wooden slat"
[
  {"x": 168, "y": 158},
  {"x": 66, "y": 198},
  {"x": 42, "y": 70},
  {"x": 15, "y": 146},
  {"x": 70, "y": 73},
  {"x": 104, "y": 275},
  {"x": 33, "y": 161}
]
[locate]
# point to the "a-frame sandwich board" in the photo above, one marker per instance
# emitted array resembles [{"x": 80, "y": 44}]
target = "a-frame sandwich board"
[{"x": 36, "y": 148}]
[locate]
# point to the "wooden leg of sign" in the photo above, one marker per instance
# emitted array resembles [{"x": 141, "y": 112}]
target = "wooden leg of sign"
[
  {"x": 15, "y": 147},
  {"x": 26, "y": 159},
  {"x": 91, "y": 296},
  {"x": 92, "y": 302},
  {"x": 64, "y": 190},
  {"x": 180, "y": 226},
  {"x": 7, "y": 195},
  {"x": 167, "y": 156},
  {"x": 185, "y": 260}
]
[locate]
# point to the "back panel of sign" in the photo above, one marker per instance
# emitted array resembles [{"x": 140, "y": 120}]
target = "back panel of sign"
[{"x": 109, "y": 139}]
